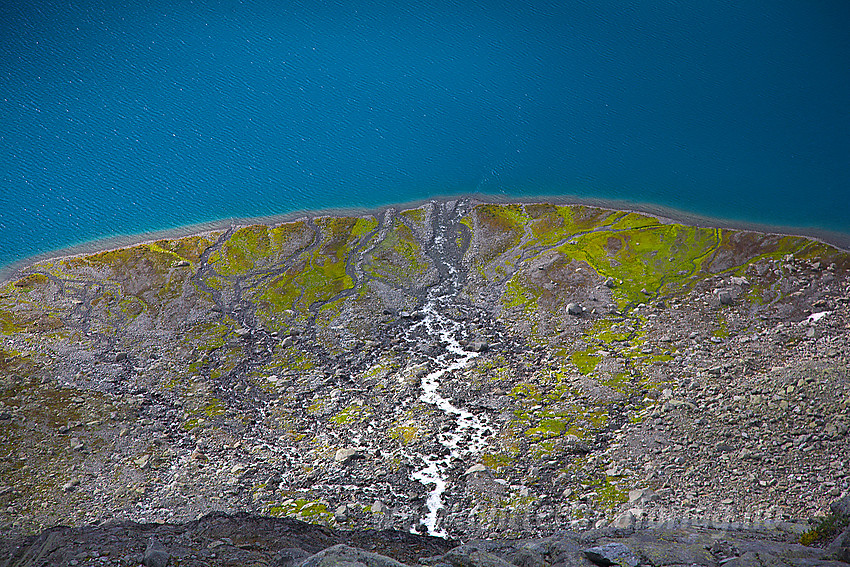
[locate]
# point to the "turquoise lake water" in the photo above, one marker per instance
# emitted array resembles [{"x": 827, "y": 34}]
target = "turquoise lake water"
[{"x": 123, "y": 120}]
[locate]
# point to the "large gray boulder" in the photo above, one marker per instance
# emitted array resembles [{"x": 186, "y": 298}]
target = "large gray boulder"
[
  {"x": 343, "y": 555},
  {"x": 155, "y": 555},
  {"x": 841, "y": 507},
  {"x": 612, "y": 554},
  {"x": 472, "y": 555}
]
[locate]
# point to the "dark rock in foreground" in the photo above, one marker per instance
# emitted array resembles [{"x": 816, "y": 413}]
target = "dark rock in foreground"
[{"x": 243, "y": 539}]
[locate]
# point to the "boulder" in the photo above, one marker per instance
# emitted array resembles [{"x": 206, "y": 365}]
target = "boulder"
[
  {"x": 839, "y": 549},
  {"x": 841, "y": 507},
  {"x": 473, "y": 556},
  {"x": 155, "y": 555},
  {"x": 575, "y": 309},
  {"x": 612, "y": 554},
  {"x": 342, "y": 554},
  {"x": 291, "y": 556}
]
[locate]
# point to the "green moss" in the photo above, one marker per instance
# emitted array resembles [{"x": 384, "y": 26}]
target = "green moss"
[
  {"x": 9, "y": 324},
  {"x": 283, "y": 233},
  {"x": 520, "y": 293},
  {"x": 30, "y": 282},
  {"x": 310, "y": 511},
  {"x": 302, "y": 286},
  {"x": 416, "y": 215},
  {"x": 404, "y": 434},
  {"x": 550, "y": 224},
  {"x": 586, "y": 361},
  {"x": 190, "y": 248},
  {"x": 630, "y": 221},
  {"x": 364, "y": 226},
  {"x": 214, "y": 408},
  {"x": 640, "y": 257},
  {"x": 192, "y": 423},
  {"x": 242, "y": 250},
  {"x": 620, "y": 382},
  {"x": 210, "y": 335},
  {"x": 825, "y": 529},
  {"x": 548, "y": 428},
  {"x": 352, "y": 414},
  {"x": 294, "y": 360},
  {"x": 525, "y": 391},
  {"x": 399, "y": 257},
  {"x": 608, "y": 494}
]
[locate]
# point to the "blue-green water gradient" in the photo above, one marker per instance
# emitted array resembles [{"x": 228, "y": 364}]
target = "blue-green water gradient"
[{"x": 126, "y": 119}]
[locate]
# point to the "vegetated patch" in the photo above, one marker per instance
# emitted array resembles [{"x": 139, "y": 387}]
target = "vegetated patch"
[
  {"x": 398, "y": 258},
  {"x": 825, "y": 529},
  {"x": 310, "y": 511}
]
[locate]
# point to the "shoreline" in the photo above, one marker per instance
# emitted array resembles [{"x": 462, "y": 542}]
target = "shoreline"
[{"x": 663, "y": 214}]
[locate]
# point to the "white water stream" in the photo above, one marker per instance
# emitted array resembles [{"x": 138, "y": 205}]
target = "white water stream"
[{"x": 466, "y": 439}]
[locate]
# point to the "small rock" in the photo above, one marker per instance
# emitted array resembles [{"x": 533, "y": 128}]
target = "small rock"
[
  {"x": 475, "y": 469},
  {"x": 624, "y": 520},
  {"x": 70, "y": 485},
  {"x": 724, "y": 296},
  {"x": 345, "y": 455},
  {"x": 610, "y": 283},
  {"x": 574, "y": 309},
  {"x": 642, "y": 496},
  {"x": 143, "y": 461}
]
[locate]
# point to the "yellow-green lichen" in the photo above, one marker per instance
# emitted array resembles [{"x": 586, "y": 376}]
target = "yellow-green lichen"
[
  {"x": 354, "y": 413},
  {"x": 310, "y": 511}
]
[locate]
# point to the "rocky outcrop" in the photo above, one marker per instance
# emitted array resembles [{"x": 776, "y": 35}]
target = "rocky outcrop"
[{"x": 219, "y": 539}]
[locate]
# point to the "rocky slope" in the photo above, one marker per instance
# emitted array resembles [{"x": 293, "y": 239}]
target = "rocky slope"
[{"x": 460, "y": 369}]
